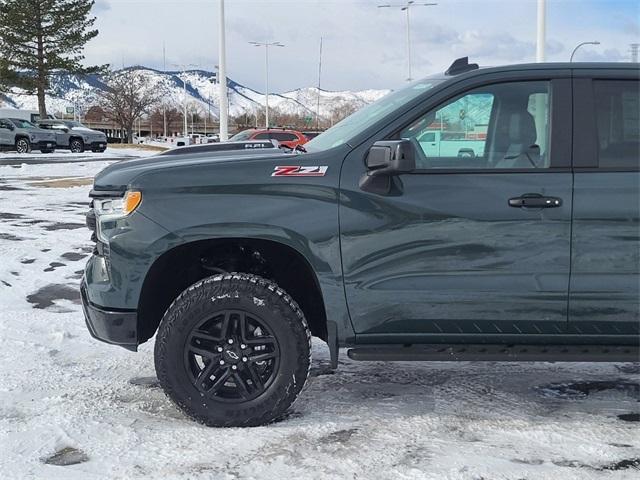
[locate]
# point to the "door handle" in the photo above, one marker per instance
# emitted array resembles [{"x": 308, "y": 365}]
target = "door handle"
[{"x": 535, "y": 200}]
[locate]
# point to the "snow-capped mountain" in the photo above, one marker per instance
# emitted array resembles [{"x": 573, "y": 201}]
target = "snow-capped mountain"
[{"x": 82, "y": 92}]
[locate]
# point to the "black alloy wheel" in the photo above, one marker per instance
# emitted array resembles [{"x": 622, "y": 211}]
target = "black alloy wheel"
[
  {"x": 233, "y": 350},
  {"x": 232, "y": 357}
]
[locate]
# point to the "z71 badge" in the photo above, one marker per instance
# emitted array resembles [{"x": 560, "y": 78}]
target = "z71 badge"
[{"x": 299, "y": 171}]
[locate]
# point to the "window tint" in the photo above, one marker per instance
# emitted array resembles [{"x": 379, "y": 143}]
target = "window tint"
[
  {"x": 262, "y": 136},
  {"x": 618, "y": 122},
  {"x": 497, "y": 126},
  {"x": 283, "y": 136},
  {"x": 18, "y": 122},
  {"x": 245, "y": 135}
]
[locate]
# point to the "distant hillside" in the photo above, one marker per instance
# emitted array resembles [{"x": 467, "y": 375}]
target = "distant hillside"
[{"x": 70, "y": 90}]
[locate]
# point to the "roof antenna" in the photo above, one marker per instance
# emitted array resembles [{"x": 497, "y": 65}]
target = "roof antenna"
[{"x": 461, "y": 65}]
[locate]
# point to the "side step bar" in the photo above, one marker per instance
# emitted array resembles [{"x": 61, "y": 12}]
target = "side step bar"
[{"x": 497, "y": 353}]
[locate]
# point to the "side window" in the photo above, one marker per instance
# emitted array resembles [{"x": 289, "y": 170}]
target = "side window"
[
  {"x": 284, "y": 137},
  {"x": 494, "y": 127},
  {"x": 262, "y": 136},
  {"x": 618, "y": 122}
]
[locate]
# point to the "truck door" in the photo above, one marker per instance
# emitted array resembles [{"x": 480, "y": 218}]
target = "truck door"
[
  {"x": 605, "y": 258},
  {"x": 467, "y": 245}
]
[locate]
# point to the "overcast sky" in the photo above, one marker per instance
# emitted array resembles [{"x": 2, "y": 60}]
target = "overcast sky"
[{"x": 364, "y": 46}]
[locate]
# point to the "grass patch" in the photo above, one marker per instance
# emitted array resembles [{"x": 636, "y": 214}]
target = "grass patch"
[{"x": 62, "y": 182}]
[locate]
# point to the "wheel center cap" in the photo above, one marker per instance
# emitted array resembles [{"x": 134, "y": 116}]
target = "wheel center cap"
[{"x": 232, "y": 356}]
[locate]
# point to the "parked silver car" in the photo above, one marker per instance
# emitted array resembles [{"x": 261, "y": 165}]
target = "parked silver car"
[
  {"x": 23, "y": 136},
  {"x": 74, "y": 136}
]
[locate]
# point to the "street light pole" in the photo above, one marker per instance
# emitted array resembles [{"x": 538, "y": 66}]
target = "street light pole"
[
  {"x": 595, "y": 42},
  {"x": 266, "y": 46},
  {"x": 222, "y": 79},
  {"x": 406, "y": 7},
  {"x": 541, "y": 33},
  {"x": 185, "y": 131}
]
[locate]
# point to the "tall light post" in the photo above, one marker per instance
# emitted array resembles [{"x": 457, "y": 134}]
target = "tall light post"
[
  {"x": 266, "y": 46},
  {"x": 541, "y": 30},
  {"x": 183, "y": 67},
  {"x": 595, "y": 42},
  {"x": 406, "y": 7},
  {"x": 222, "y": 78},
  {"x": 319, "y": 76}
]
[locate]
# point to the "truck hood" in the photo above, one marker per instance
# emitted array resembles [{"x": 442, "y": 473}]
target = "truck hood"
[
  {"x": 117, "y": 176},
  {"x": 87, "y": 131}
]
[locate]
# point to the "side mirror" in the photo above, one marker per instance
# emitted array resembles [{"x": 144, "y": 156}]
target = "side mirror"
[
  {"x": 391, "y": 158},
  {"x": 387, "y": 159}
]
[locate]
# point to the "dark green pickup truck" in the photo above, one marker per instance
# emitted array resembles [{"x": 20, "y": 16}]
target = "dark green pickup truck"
[{"x": 524, "y": 246}]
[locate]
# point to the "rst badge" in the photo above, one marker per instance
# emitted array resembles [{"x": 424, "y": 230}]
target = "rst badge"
[{"x": 299, "y": 171}]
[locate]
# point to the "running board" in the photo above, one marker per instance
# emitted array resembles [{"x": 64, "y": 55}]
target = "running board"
[{"x": 498, "y": 353}]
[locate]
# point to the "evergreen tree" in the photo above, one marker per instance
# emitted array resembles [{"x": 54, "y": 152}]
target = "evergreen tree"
[{"x": 40, "y": 37}]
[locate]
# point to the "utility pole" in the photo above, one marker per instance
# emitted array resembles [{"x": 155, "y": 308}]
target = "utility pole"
[
  {"x": 542, "y": 25},
  {"x": 222, "y": 80},
  {"x": 319, "y": 76},
  {"x": 266, "y": 46},
  {"x": 406, "y": 7},
  {"x": 164, "y": 106}
]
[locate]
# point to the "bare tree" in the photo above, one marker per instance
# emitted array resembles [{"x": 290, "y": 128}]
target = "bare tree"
[
  {"x": 128, "y": 96},
  {"x": 168, "y": 110},
  {"x": 342, "y": 110}
]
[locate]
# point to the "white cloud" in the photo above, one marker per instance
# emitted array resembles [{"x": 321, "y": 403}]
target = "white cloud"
[{"x": 364, "y": 47}]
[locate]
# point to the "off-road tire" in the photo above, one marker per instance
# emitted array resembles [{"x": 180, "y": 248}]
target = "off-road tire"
[
  {"x": 205, "y": 299},
  {"x": 76, "y": 145},
  {"x": 23, "y": 145}
]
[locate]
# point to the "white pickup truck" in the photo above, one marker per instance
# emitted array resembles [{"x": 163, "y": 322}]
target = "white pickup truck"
[{"x": 437, "y": 143}]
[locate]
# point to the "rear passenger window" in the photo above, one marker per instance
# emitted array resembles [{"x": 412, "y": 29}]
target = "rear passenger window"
[
  {"x": 262, "y": 136},
  {"x": 284, "y": 137},
  {"x": 618, "y": 123}
]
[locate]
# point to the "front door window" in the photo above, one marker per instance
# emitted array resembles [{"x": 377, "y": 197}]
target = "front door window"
[{"x": 494, "y": 127}]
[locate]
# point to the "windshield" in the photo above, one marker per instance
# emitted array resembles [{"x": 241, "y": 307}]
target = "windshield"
[
  {"x": 238, "y": 137},
  {"x": 351, "y": 126},
  {"x": 22, "y": 123}
]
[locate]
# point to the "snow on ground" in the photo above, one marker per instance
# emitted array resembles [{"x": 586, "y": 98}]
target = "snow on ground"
[{"x": 99, "y": 406}]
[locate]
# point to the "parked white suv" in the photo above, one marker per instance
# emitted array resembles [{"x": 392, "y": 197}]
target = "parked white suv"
[
  {"x": 23, "y": 136},
  {"x": 74, "y": 136}
]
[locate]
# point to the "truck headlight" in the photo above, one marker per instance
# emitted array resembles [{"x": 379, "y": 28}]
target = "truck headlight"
[
  {"x": 118, "y": 207},
  {"x": 108, "y": 210}
]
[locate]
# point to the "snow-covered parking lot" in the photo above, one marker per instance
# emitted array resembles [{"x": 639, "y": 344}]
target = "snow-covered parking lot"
[{"x": 74, "y": 408}]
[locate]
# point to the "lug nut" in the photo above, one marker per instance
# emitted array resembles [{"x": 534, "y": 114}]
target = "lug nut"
[
  {"x": 220, "y": 349},
  {"x": 244, "y": 359},
  {"x": 230, "y": 341},
  {"x": 243, "y": 346},
  {"x": 221, "y": 362},
  {"x": 233, "y": 367}
]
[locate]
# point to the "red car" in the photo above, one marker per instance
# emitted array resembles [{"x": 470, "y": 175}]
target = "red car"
[{"x": 287, "y": 138}]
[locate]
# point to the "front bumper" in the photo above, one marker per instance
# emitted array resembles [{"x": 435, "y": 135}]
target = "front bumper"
[
  {"x": 109, "y": 326},
  {"x": 97, "y": 145},
  {"x": 44, "y": 144}
]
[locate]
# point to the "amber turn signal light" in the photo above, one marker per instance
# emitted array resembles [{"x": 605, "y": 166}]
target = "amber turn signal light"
[{"x": 131, "y": 201}]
